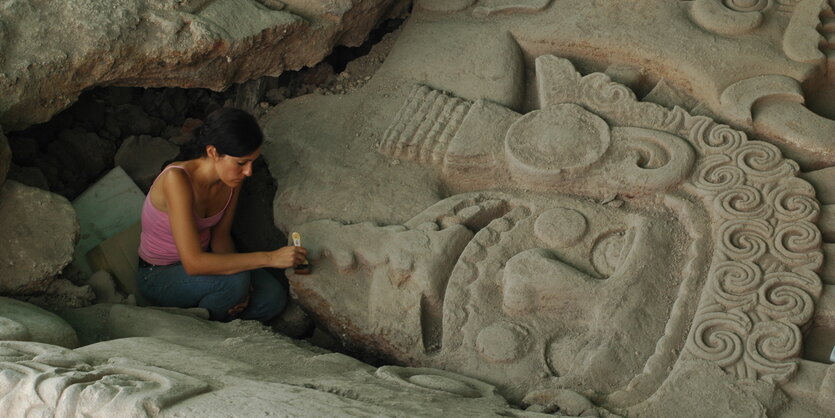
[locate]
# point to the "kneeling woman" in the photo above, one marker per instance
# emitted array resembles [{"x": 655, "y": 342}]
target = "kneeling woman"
[{"x": 186, "y": 255}]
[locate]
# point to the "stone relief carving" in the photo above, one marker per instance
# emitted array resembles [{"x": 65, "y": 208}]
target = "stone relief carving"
[
  {"x": 44, "y": 380},
  {"x": 763, "y": 220},
  {"x": 191, "y": 367},
  {"x": 717, "y": 243},
  {"x": 583, "y": 240}
]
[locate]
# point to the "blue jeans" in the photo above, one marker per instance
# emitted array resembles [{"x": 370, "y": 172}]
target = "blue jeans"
[{"x": 171, "y": 286}]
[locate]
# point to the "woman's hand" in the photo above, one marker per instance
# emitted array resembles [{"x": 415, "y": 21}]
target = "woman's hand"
[{"x": 286, "y": 257}]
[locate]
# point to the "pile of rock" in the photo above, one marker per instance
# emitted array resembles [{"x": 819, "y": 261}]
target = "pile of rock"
[
  {"x": 39, "y": 236},
  {"x": 82, "y": 143}
]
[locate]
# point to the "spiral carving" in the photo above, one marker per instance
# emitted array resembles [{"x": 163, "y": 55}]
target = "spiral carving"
[
  {"x": 786, "y": 296},
  {"x": 761, "y": 286},
  {"x": 770, "y": 349},
  {"x": 796, "y": 243},
  {"x": 715, "y": 173},
  {"x": 745, "y": 240},
  {"x": 764, "y": 162},
  {"x": 601, "y": 91},
  {"x": 718, "y": 335},
  {"x": 736, "y": 284},
  {"x": 746, "y": 5},
  {"x": 794, "y": 200},
  {"x": 742, "y": 202},
  {"x": 721, "y": 139}
]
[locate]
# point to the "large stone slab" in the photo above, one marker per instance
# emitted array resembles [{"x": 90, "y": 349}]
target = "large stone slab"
[
  {"x": 586, "y": 240},
  {"x": 39, "y": 232},
  {"x": 108, "y": 207},
  {"x": 164, "y": 364},
  {"x": 194, "y": 43}
]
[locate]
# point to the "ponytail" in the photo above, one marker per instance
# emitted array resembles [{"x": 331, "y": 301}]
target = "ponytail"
[{"x": 231, "y": 131}]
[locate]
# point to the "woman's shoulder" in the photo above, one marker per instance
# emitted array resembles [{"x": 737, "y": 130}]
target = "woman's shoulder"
[
  {"x": 173, "y": 176},
  {"x": 178, "y": 169}
]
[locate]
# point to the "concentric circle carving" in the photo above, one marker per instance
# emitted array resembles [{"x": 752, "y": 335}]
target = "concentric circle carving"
[
  {"x": 556, "y": 140},
  {"x": 746, "y": 5},
  {"x": 608, "y": 252}
]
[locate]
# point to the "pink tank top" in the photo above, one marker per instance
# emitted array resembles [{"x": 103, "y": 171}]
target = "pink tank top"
[{"x": 156, "y": 242}]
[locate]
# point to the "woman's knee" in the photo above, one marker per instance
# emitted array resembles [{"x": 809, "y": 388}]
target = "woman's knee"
[{"x": 237, "y": 286}]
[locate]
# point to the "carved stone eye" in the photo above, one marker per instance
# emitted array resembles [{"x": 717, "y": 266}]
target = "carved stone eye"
[
  {"x": 437, "y": 381},
  {"x": 729, "y": 17},
  {"x": 560, "y": 227},
  {"x": 607, "y": 253},
  {"x": 746, "y": 5}
]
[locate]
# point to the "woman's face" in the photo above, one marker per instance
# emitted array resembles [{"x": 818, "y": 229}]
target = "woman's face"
[{"x": 233, "y": 170}]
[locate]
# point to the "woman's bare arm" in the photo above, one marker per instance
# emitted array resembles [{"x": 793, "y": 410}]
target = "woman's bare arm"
[{"x": 180, "y": 203}]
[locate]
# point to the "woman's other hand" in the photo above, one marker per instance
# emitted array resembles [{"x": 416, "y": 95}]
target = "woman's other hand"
[{"x": 290, "y": 256}]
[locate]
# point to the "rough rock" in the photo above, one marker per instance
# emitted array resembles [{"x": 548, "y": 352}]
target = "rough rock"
[
  {"x": 39, "y": 234},
  {"x": 21, "y": 321},
  {"x": 84, "y": 153},
  {"x": 5, "y": 157},
  {"x": 130, "y": 119},
  {"x": 24, "y": 150},
  {"x": 74, "y": 159},
  {"x": 62, "y": 294},
  {"x": 142, "y": 158},
  {"x": 197, "y": 43},
  {"x": 104, "y": 287},
  {"x": 30, "y": 176}
]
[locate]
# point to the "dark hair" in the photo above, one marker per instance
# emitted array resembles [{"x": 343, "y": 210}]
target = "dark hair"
[{"x": 232, "y": 131}]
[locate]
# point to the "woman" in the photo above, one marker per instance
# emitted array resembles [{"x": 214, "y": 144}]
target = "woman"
[{"x": 186, "y": 254}]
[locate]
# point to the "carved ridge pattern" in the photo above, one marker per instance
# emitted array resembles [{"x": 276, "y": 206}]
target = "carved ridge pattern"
[
  {"x": 424, "y": 126},
  {"x": 761, "y": 287}
]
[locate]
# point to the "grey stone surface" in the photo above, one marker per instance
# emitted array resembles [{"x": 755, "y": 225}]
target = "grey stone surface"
[
  {"x": 62, "y": 294},
  {"x": 196, "y": 43},
  {"x": 163, "y": 364},
  {"x": 501, "y": 208},
  {"x": 39, "y": 234},
  {"x": 21, "y": 321}
]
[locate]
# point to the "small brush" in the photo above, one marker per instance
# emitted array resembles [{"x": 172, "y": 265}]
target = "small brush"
[{"x": 304, "y": 267}]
